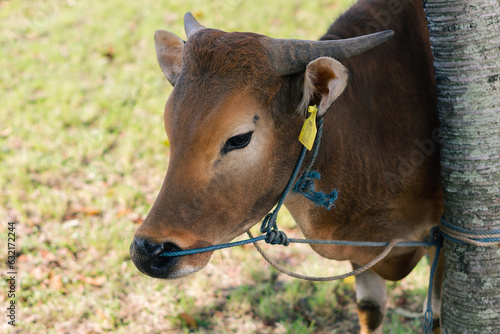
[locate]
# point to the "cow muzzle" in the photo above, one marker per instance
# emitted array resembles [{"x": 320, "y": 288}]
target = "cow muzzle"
[{"x": 147, "y": 258}]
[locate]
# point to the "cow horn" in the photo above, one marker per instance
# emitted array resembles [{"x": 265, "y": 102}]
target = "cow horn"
[
  {"x": 191, "y": 25},
  {"x": 289, "y": 56}
]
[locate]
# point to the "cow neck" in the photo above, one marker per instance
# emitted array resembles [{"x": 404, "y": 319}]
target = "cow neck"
[{"x": 304, "y": 186}]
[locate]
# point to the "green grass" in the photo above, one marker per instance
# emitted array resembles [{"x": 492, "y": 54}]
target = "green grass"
[{"x": 82, "y": 156}]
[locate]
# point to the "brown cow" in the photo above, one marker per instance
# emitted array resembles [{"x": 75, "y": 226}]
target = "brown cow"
[{"x": 233, "y": 119}]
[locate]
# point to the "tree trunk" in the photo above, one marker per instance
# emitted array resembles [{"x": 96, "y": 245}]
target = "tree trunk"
[{"x": 465, "y": 38}]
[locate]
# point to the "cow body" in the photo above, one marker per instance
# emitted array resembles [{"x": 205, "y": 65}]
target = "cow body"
[
  {"x": 233, "y": 120},
  {"x": 379, "y": 146}
]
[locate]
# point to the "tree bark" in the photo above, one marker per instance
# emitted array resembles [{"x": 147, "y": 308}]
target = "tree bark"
[{"x": 465, "y": 38}]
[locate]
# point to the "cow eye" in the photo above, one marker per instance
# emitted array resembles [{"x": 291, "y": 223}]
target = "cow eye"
[{"x": 237, "y": 142}]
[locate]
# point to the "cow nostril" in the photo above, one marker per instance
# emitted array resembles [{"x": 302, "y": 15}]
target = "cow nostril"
[
  {"x": 147, "y": 257},
  {"x": 147, "y": 249},
  {"x": 164, "y": 261}
]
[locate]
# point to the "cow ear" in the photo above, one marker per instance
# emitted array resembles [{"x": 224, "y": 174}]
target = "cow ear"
[
  {"x": 324, "y": 80},
  {"x": 169, "y": 54}
]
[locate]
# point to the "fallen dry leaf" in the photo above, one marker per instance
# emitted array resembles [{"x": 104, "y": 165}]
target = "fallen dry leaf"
[
  {"x": 38, "y": 273},
  {"x": 188, "y": 320},
  {"x": 123, "y": 212},
  {"x": 101, "y": 315},
  {"x": 64, "y": 253},
  {"x": 55, "y": 282},
  {"x": 74, "y": 212},
  {"x": 96, "y": 281},
  {"x": 88, "y": 211},
  {"x": 48, "y": 256},
  {"x": 22, "y": 258},
  {"x": 109, "y": 52},
  {"x": 137, "y": 221}
]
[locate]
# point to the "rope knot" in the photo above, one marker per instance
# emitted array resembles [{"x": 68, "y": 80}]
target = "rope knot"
[
  {"x": 305, "y": 186},
  {"x": 435, "y": 237},
  {"x": 276, "y": 237}
]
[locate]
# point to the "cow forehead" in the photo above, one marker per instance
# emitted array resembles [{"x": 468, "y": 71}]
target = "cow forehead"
[{"x": 204, "y": 124}]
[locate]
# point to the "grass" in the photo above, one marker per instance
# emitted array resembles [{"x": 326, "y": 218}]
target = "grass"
[{"x": 83, "y": 154}]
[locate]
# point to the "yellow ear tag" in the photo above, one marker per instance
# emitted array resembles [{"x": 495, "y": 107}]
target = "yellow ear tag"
[{"x": 308, "y": 132}]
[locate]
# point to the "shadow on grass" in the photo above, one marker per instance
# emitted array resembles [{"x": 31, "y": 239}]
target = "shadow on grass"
[{"x": 278, "y": 305}]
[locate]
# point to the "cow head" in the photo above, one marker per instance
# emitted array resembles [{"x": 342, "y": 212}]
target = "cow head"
[{"x": 233, "y": 119}]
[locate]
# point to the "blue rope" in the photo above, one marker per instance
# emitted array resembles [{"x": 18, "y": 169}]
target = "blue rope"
[
  {"x": 300, "y": 241},
  {"x": 429, "y": 315},
  {"x": 464, "y": 230},
  {"x": 483, "y": 236},
  {"x": 212, "y": 248},
  {"x": 305, "y": 184},
  {"x": 269, "y": 225}
]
